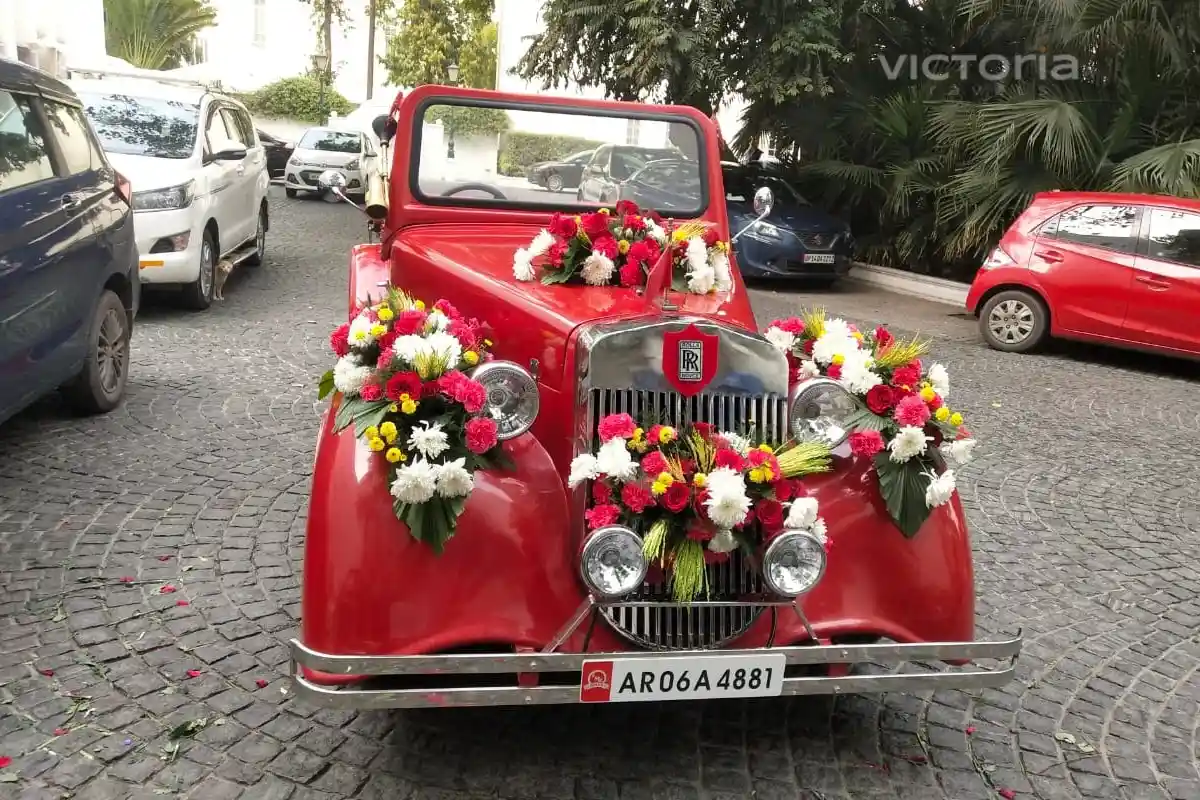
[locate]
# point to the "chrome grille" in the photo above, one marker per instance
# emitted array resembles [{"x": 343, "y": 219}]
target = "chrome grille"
[
  {"x": 818, "y": 241},
  {"x": 649, "y": 617}
]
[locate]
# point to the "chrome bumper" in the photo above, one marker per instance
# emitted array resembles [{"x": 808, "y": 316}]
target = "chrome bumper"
[{"x": 509, "y": 665}]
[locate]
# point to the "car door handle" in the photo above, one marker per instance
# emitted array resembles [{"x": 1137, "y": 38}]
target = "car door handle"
[
  {"x": 70, "y": 202},
  {"x": 241, "y": 169},
  {"x": 1154, "y": 283},
  {"x": 1053, "y": 256}
]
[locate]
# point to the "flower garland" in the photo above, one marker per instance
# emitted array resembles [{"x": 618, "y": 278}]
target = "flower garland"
[
  {"x": 400, "y": 372},
  {"x": 620, "y": 247},
  {"x": 902, "y": 407},
  {"x": 696, "y": 494}
]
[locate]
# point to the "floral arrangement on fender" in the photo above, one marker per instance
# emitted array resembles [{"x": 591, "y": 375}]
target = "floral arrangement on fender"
[
  {"x": 696, "y": 494},
  {"x": 902, "y": 416},
  {"x": 619, "y": 247},
  {"x": 401, "y": 374}
]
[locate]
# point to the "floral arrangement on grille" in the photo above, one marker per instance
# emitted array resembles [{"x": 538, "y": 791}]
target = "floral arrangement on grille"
[
  {"x": 403, "y": 377},
  {"x": 620, "y": 247},
  {"x": 697, "y": 494},
  {"x": 902, "y": 414}
]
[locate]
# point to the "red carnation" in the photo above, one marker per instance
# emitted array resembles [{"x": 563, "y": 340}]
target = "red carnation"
[
  {"x": 339, "y": 340},
  {"x": 728, "y": 457},
  {"x": 808, "y": 346},
  {"x": 880, "y": 399},
  {"x": 834, "y": 371},
  {"x": 655, "y": 463},
  {"x": 908, "y": 375},
  {"x": 616, "y": 425},
  {"x": 866, "y": 443},
  {"x": 710, "y": 237},
  {"x": 935, "y": 403},
  {"x": 407, "y": 323},
  {"x": 401, "y": 383},
  {"x": 634, "y": 222},
  {"x": 432, "y": 388},
  {"x": 557, "y": 253},
  {"x": 770, "y": 514},
  {"x": 631, "y": 274},
  {"x": 447, "y": 308},
  {"x": 626, "y": 207},
  {"x": 463, "y": 331},
  {"x": 700, "y": 531},
  {"x": 912, "y": 411},
  {"x": 605, "y": 246},
  {"x": 481, "y": 435},
  {"x": 471, "y": 394},
  {"x": 562, "y": 226},
  {"x": 595, "y": 225},
  {"x": 386, "y": 341},
  {"x": 601, "y": 493},
  {"x": 677, "y": 497},
  {"x": 785, "y": 489},
  {"x": 705, "y": 430},
  {"x": 636, "y": 498},
  {"x": 371, "y": 392},
  {"x": 600, "y": 516},
  {"x": 698, "y": 501},
  {"x": 883, "y": 337},
  {"x": 793, "y": 325}
]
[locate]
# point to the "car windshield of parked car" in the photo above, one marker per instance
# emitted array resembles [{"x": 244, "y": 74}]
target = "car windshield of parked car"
[
  {"x": 331, "y": 141},
  {"x": 143, "y": 126},
  {"x": 476, "y": 155},
  {"x": 741, "y": 184}
]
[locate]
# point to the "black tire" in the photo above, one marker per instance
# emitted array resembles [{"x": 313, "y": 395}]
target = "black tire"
[
  {"x": 290, "y": 192},
  {"x": 554, "y": 182},
  {"x": 196, "y": 295},
  {"x": 1014, "y": 321},
  {"x": 100, "y": 385},
  {"x": 260, "y": 240}
]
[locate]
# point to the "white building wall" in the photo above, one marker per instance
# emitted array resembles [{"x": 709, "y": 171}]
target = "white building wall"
[{"x": 51, "y": 33}]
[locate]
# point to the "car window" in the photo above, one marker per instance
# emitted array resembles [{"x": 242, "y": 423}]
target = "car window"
[
  {"x": 1175, "y": 236},
  {"x": 217, "y": 133},
  {"x": 70, "y": 130},
  {"x": 674, "y": 176},
  {"x": 239, "y": 132},
  {"x": 741, "y": 184},
  {"x": 601, "y": 158},
  {"x": 1107, "y": 226},
  {"x": 143, "y": 126},
  {"x": 23, "y": 156},
  {"x": 331, "y": 141}
]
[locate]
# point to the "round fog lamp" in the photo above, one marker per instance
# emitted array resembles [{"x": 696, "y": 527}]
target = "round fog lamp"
[
  {"x": 512, "y": 397},
  {"x": 612, "y": 562},
  {"x": 819, "y": 411},
  {"x": 794, "y": 563}
]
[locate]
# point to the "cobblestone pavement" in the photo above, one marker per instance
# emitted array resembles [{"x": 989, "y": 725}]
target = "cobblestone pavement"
[{"x": 149, "y": 562}]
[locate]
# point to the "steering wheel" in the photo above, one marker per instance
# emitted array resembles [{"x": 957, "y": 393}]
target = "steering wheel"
[{"x": 475, "y": 187}]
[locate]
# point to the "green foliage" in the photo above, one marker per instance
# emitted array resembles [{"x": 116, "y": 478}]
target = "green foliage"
[
  {"x": 463, "y": 121},
  {"x": 297, "y": 98},
  {"x": 519, "y": 150},
  {"x": 155, "y": 34},
  {"x": 432, "y": 34}
]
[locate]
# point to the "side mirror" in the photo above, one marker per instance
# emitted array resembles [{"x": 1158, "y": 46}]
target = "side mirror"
[
  {"x": 335, "y": 182},
  {"x": 230, "y": 154},
  {"x": 764, "y": 201}
]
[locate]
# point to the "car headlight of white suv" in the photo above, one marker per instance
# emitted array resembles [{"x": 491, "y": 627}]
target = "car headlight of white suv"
[{"x": 173, "y": 197}]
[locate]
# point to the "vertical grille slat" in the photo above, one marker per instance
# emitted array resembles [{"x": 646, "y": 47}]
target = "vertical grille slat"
[{"x": 668, "y": 626}]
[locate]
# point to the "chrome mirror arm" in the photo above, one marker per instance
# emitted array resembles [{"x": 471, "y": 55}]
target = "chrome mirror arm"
[{"x": 760, "y": 218}]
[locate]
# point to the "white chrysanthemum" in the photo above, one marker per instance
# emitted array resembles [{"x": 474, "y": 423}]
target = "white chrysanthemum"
[
  {"x": 719, "y": 261},
  {"x": 436, "y": 321},
  {"x": 809, "y": 369},
  {"x": 541, "y": 243},
  {"x": 858, "y": 375},
  {"x": 523, "y": 265},
  {"x": 702, "y": 281},
  {"x": 453, "y": 480},
  {"x": 829, "y": 345},
  {"x": 406, "y": 347},
  {"x": 585, "y": 467},
  {"x": 723, "y": 542},
  {"x": 415, "y": 482},
  {"x": 360, "y": 332},
  {"x": 430, "y": 440},
  {"x": 655, "y": 231},
  {"x": 802, "y": 514},
  {"x": 740, "y": 444},
  {"x": 909, "y": 442},
  {"x": 614, "y": 460},
  {"x": 940, "y": 380},
  {"x": 940, "y": 488},
  {"x": 820, "y": 531},
  {"x": 697, "y": 254},
  {"x": 960, "y": 451},
  {"x": 781, "y": 339},
  {"x": 597, "y": 270},
  {"x": 349, "y": 376},
  {"x": 727, "y": 503},
  {"x": 443, "y": 345},
  {"x": 837, "y": 327}
]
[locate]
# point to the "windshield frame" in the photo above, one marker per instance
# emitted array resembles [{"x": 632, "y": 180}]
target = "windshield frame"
[
  {"x": 704, "y": 203},
  {"x": 92, "y": 98}
]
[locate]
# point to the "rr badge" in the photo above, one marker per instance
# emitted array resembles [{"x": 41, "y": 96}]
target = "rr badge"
[{"x": 689, "y": 359}]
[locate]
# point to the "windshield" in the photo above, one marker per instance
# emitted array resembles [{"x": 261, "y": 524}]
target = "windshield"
[
  {"x": 475, "y": 155},
  {"x": 143, "y": 126},
  {"x": 741, "y": 184},
  {"x": 331, "y": 141}
]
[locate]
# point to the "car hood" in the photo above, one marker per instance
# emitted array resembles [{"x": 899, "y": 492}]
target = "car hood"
[
  {"x": 802, "y": 219},
  {"x": 146, "y": 174},
  {"x": 324, "y": 158}
]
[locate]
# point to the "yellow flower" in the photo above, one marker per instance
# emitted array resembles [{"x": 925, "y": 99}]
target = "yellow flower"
[
  {"x": 927, "y": 393},
  {"x": 942, "y": 414},
  {"x": 378, "y": 330},
  {"x": 623, "y": 246},
  {"x": 388, "y": 431},
  {"x": 419, "y": 305},
  {"x": 639, "y": 434},
  {"x": 487, "y": 342},
  {"x": 839, "y": 359},
  {"x": 699, "y": 479},
  {"x": 385, "y": 314},
  {"x": 371, "y": 432},
  {"x": 605, "y": 211},
  {"x": 759, "y": 474},
  {"x": 375, "y": 444},
  {"x": 393, "y": 408},
  {"x": 658, "y": 489},
  {"x": 858, "y": 336},
  {"x": 408, "y": 405},
  {"x": 765, "y": 448},
  {"x": 768, "y": 474},
  {"x": 956, "y": 419},
  {"x": 666, "y": 434},
  {"x": 471, "y": 357},
  {"x": 393, "y": 455},
  {"x": 360, "y": 335},
  {"x": 722, "y": 247},
  {"x": 665, "y": 478}
]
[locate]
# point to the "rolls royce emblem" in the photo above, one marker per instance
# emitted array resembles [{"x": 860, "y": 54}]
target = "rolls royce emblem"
[
  {"x": 691, "y": 355},
  {"x": 689, "y": 359}
]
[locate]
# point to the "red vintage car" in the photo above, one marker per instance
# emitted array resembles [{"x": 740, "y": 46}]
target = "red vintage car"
[{"x": 528, "y": 603}]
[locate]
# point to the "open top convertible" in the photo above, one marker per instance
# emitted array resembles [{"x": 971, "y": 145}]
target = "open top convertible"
[{"x": 563, "y": 465}]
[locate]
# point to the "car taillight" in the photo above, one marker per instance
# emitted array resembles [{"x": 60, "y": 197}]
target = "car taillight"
[
  {"x": 124, "y": 189},
  {"x": 998, "y": 258}
]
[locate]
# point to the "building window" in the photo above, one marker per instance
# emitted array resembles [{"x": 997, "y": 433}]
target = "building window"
[{"x": 260, "y": 23}]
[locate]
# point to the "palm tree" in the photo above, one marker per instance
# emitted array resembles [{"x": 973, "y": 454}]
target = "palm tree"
[{"x": 154, "y": 34}]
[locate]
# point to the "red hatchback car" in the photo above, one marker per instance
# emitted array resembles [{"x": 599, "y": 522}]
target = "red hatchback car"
[{"x": 1120, "y": 269}]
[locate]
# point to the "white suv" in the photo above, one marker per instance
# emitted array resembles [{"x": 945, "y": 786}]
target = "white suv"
[{"x": 198, "y": 171}]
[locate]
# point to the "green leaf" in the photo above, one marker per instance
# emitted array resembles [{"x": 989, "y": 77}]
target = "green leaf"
[
  {"x": 903, "y": 489},
  {"x": 864, "y": 419},
  {"x": 189, "y": 728},
  {"x": 414, "y": 518},
  {"x": 325, "y": 386},
  {"x": 373, "y": 414},
  {"x": 551, "y": 278},
  {"x": 347, "y": 412}
]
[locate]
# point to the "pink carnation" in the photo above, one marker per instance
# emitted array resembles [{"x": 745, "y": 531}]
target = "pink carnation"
[
  {"x": 339, "y": 340},
  {"x": 793, "y": 325},
  {"x": 866, "y": 443},
  {"x": 603, "y": 515},
  {"x": 615, "y": 425},
  {"x": 655, "y": 463},
  {"x": 472, "y": 395},
  {"x": 912, "y": 411},
  {"x": 481, "y": 435},
  {"x": 371, "y": 392},
  {"x": 636, "y": 498},
  {"x": 446, "y": 308}
]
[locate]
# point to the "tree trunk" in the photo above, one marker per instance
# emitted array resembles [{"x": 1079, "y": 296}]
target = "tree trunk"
[
  {"x": 371, "y": 49},
  {"x": 327, "y": 38}
]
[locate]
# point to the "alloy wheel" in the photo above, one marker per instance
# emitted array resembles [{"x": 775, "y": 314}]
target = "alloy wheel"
[
  {"x": 112, "y": 351},
  {"x": 206, "y": 269}
]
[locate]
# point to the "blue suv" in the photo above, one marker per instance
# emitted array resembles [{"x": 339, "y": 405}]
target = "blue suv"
[{"x": 69, "y": 287}]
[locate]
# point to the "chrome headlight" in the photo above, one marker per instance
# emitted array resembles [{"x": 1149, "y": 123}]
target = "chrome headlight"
[
  {"x": 612, "y": 563},
  {"x": 794, "y": 563},
  {"x": 766, "y": 232},
  {"x": 512, "y": 397},
  {"x": 819, "y": 410},
  {"x": 165, "y": 199},
  {"x": 353, "y": 165}
]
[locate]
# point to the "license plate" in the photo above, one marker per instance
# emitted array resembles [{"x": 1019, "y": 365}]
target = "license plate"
[
  {"x": 633, "y": 680},
  {"x": 818, "y": 258}
]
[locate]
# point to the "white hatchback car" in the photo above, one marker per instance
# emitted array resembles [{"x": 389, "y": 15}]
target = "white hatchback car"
[
  {"x": 198, "y": 171},
  {"x": 351, "y": 152}
]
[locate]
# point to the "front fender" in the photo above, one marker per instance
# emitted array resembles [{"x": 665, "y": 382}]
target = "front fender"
[
  {"x": 369, "y": 274},
  {"x": 371, "y": 589}
]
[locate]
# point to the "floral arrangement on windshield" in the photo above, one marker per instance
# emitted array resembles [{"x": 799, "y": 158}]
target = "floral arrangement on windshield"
[
  {"x": 620, "y": 247},
  {"x": 901, "y": 412},
  {"x": 403, "y": 377},
  {"x": 696, "y": 494}
]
